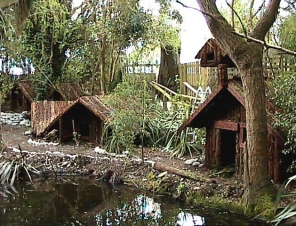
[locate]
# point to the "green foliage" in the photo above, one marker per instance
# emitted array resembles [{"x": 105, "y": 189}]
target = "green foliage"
[
  {"x": 11, "y": 169},
  {"x": 290, "y": 209},
  {"x": 287, "y": 31},
  {"x": 130, "y": 101},
  {"x": 244, "y": 15},
  {"x": 136, "y": 115},
  {"x": 283, "y": 95}
]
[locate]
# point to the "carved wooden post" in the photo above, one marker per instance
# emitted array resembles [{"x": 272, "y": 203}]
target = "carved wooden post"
[{"x": 222, "y": 75}]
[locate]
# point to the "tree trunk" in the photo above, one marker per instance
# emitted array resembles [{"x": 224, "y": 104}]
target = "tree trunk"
[
  {"x": 102, "y": 68},
  {"x": 247, "y": 56},
  {"x": 256, "y": 180},
  {"x": 168, "y": 68}
]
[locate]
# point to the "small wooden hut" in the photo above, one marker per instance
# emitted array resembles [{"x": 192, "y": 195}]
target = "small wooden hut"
[
  {"x": 223, "y": 114},
  {"x": 21, "y": 96},
  {"x": 85, "y": 116},
  {"x": 66, "y": 92},
  {"x": 211, "y": 55}
]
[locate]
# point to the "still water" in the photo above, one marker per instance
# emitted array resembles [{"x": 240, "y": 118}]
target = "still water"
[{"x": 83, "y": 202}]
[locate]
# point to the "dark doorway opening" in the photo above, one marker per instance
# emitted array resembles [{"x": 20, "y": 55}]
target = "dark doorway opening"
[{"x": 228, "y": 147}]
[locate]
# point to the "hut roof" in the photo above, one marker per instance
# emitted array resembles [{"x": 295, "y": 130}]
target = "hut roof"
[
  {"x": 200, "y": 117},
  {"x": 210, "y": 46},
  {"x": 69, "y": 91},
  {"x": 96, "y": 105},
  {"x": 218, "y": 55},
  {"x": 46, "y": 113},
  {"x": 27, "y": 89}
]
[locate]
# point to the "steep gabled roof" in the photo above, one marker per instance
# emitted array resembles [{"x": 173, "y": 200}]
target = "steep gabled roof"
[
  {"x": 212, "y": 54},
  {"x": 69, "y": 91},
  {"x": 46, "y": 113},
  {"x": 26, "y": 88},
  {"x": 199, "y": 118},
  {"x": 96, "y": 105}
]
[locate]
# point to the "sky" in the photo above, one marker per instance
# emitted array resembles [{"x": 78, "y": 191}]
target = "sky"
[{"x": 194, "y": 30}]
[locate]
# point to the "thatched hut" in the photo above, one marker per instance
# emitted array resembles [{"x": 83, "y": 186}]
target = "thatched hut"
[
  {"x": 21, "y": 96},
  {"x": 85, "y": 117},
  {"x": 66, "y": 92}
]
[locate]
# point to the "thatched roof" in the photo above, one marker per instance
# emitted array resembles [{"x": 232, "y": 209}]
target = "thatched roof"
[
  {"x": 46, "y": 113},
  {"x": 96, "y": 105},
  {"x": 26, "y": 87},
  {"x": 69, "y": 91}
]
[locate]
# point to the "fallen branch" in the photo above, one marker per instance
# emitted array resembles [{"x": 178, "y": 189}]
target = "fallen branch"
[{"x": 163, "y": 167}]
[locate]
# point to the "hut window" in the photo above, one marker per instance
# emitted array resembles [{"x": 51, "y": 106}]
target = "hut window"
[{"x": 210, "y": 56}]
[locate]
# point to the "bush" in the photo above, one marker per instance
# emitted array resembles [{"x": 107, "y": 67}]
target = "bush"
[
  {"x": 138, "y": 117},
  {"x": 283, "y": 95}
]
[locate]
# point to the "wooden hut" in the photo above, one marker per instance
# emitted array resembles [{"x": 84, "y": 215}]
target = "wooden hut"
[
  {"x": 85, "y": 116},
  {"x": 66, "y": 92},
  {"x": 211, "y": 55},
  {"x": 21, "y": 96},
  {"x": 223, "y": 114}
]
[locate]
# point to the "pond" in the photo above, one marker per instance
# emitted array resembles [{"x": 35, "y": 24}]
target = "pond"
[{"x": 84, "y": 202}]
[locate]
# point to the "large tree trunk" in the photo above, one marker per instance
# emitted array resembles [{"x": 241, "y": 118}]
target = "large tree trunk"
[
  {"x": 248, "y": 58},
  {"x": 256, "y": 179},
  {"x": 168, "y": 68}
]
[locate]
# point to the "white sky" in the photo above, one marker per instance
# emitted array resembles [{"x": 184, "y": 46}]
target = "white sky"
[{"x": 194, "y": 29}]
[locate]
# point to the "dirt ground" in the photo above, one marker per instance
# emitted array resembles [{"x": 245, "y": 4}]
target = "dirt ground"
[{"x": 59, "y": 158}]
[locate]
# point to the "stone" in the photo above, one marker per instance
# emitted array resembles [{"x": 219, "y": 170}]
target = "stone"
[
  {"x": 196, "y": 164},
  {"x": 112, "y": 154},
  {"x": 162, "y": 174},
  {"x": 100, "y": 151},
  {"x": 28, "y": 132},
  {"x": 190, "y": 161},
  {"x": 121, "y": 156},
  {"x": 125, "y": 152},
  {"x": 8, "y": 122},
  {"x": 56, "y": 153}
]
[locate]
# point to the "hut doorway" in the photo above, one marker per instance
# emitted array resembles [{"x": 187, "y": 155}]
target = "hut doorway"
[{"x": 227, "y": 147}]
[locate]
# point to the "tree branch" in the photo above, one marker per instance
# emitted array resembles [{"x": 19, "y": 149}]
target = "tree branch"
[
  {"x": 189, "y": 7},
  {"x": 287, "y": 51},
  {"x": 267, "y": 20},
  {"x": 238, "y": 17}
]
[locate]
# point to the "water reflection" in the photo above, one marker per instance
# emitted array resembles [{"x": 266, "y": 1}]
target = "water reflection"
[{"x": 82, "y": 202}]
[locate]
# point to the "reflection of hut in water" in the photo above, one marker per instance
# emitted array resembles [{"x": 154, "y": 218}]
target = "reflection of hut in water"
[
  {"x": 67, "y": 92},
  {"x": 21, "y": 96},
  {"x": 84, "y": 117}
]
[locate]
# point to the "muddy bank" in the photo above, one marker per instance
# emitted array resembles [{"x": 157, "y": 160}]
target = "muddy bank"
[{"x": 55, "y": 160}]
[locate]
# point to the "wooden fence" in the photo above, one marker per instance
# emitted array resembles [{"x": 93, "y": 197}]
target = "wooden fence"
[{"x": 197, "y": 76}]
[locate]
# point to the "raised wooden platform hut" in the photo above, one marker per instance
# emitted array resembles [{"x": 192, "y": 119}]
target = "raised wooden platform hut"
[{"x": 223, "y": 114}]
